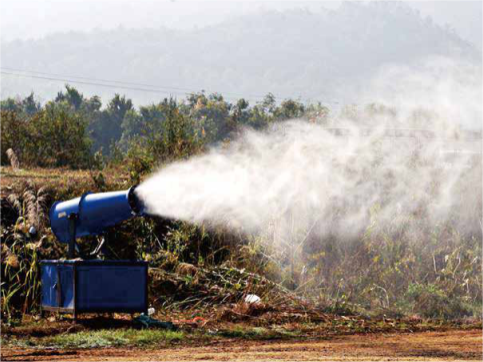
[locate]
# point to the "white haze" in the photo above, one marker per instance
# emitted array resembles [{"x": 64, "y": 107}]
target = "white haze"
[
  {"x": 292, "y": 51},
  {"x": 299, "y": 176},
  {"x": 24, "y": 19}
]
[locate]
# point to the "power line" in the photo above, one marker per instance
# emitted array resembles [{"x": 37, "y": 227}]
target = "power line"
[
  {"x": 143, "y": 87},
  {"x": 74, "y": 81},
  {"x": 98, "y": 81},
  {"x": 89, "y": 83},
  {"x": 93, "y": 79}
]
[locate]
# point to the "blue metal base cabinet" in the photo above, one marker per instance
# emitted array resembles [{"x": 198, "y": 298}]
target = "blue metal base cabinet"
[{"x": 94, "y": 286}]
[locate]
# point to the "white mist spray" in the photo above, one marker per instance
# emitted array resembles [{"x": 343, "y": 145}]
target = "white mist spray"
[{"x": 317, "y": 179}]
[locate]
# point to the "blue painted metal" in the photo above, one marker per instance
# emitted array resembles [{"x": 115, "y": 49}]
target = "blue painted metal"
[
  {"x": 94, "y": 213},
  {"x": 111, "y": 287},
  {"x": 77, "y": 286},
  {"x": 57, "y": 285},
  {"x": 83, "y": 286}
]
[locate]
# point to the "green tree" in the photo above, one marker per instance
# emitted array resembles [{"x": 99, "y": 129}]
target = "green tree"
[
  {"x": 241, "y": 112},
  {"x": 30, "y": 106},
  {"x": 136, "y": 124},
  {"x": 106, "y": 128},
  {"x": 14, "y": 135},
  {"x": 72, "y": 97},
  {"x": 212, "y": 116},
  {"x": 178, "y": 137},
  {"x": 58, "y": 138},
  {"x": 11, "y": 105},
  {"x": 289, "y": 109},
  {"x": 23, "y": 107}
]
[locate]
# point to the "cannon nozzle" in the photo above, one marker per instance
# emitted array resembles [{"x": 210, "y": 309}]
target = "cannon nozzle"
[
  {"x": 93, "y": 213},
  {"x": 134, "y": 201}
]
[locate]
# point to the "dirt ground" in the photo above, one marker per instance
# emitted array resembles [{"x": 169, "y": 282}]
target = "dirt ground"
[{"x": 453, "y": 345}]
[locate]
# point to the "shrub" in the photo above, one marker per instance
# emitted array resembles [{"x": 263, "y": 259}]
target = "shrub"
[
  {"x": 58, "y": 139},
  {"x": 432, "y": 302},
  {"x": 14, "y": 135}
]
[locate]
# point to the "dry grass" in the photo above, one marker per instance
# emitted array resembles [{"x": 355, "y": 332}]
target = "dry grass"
[
  {"x": 26, "y": 196},
  {"x": 59, "y": 180},
  {"x": 12, "y": 157}
]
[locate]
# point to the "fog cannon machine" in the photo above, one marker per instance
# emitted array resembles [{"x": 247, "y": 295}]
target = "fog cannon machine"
[{"x": 83, "y": 283}]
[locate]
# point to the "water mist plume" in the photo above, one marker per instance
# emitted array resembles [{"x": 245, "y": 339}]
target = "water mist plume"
[{"x": 334, "y": 176}]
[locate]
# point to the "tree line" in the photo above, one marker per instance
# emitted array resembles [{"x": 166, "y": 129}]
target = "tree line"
[{"x": 76, "y": 131}]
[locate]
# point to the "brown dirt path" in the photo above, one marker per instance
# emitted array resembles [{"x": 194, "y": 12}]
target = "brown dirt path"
[{"x": 454, "y": 345}]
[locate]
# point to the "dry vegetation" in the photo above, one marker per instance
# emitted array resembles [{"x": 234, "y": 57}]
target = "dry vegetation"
[
  {"x": 384, "y": 280},
  {"x": 195, "y": 270},
  {"x": 65, "y": 182}
]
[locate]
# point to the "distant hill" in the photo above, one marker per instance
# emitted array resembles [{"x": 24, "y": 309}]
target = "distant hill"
[{"x": 291, "y": 54}]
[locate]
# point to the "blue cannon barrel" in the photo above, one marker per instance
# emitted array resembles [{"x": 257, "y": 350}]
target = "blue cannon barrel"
[{"x": 93, "y": 213}]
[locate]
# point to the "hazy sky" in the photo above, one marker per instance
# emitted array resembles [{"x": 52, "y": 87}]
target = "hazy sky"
[{"x": 34, "y": 18}]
